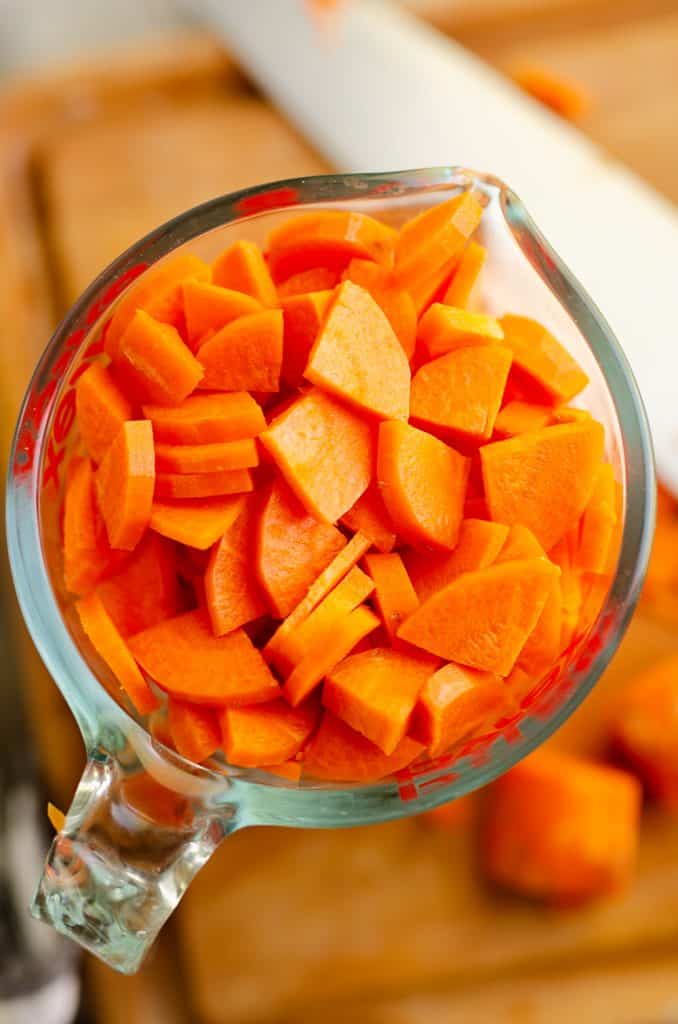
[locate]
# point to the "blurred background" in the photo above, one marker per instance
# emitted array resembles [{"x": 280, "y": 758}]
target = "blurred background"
[{"x": 114, "y": 117}]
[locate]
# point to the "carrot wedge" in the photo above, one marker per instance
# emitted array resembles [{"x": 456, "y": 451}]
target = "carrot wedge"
[
  {"x": 598, "y": 523},
  {"x": 207, "y": 419},
  {"x": 194, "y": 729},
  {"x": 543, "y": 645},
  {"x": 520, "y": 543},
  {"x": 267, "y": 734},
  {"x": 542, "y": 359},
  {"x": 164, "y": 368},
  {"x": 518, "y": 417},
  {"x": 340, "y": 754},
  {"x": 233, "y": 594},
  {"x": 175, "y": 486},
  {"x": 454, "y": 703},
  {"x": 206, "y": 458},
  {"x": 101, "y": 409},
  {"x": 369, "y": 516},
  {"x": 87, "y": 553},
  {"x": 315, "y": 279},
  {"x": 478, "y": 546},
  {"x": 395, "y": 596},
  {"x": 146, "y": 590},
  {"x": 124, "y": 484},
  {"x": 330, "y": 239},
  {"x": 246, "y": 355},
  {"x": 209, "y": 307},
  {"x": 198, "y": 522},
  {"x": 303, "y": 316},
  {"x": 444, "y": 329},
  {"x": 396, "y": 303},
  {"x": 465, "y": 276},
  {"x": 242, "y": 268}
]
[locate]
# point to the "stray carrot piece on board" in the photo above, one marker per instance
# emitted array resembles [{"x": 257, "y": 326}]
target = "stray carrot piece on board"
[
  {"x": 316, "y": 279},
  {"x": 518, "y": 417},
  {"x": 369, "y": 516},
  {"x": 246, "y": 355},
  {"x": 330, "y": 239},
  {"x": 146, "y": 590},
  {"x": 340, "y": 754},
  {"x": 267, "y": 734},
  {"x": 57, "y": 818},
  {"x": 209, "y": 307},
  {"x": 207, "y": 419},
  {"x": 597, "y": 523},
  {"x": 465, "y": 276},
  {"x": 302, "y": 319},
  {"x": 194, "y": 729},
  {"x": 444, "y": 329},
  {"x": 561, "y": 95},
  {"x": 395, "y": 596},
  {"x": 233, "y": 594},
  {"x": 242, "y": 268},
  {"x": 197, "y": 522},
  {"x": 542, "y": 359},
  {"x": 164, "y": 368},
  {"x": 396, "y": 303},
  {"x": 87, "y": 552},
  {"x": 101, "y": 409},
  {"x": 175, "y": 486},
  {"x": 454, "y": 703},
  {"x": 206, "y": 458},
  {"x": 124, "y": 484},
  {"x": 478, "y": 546}
]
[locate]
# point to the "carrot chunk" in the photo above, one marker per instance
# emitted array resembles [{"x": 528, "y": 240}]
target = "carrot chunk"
[
  {"x": 207, "y": 419},
  {"x": 232, "y": 592},
  {"x": 87, "y": 553},
  {"x": 518, "y": 417},
  {"x": 462, "y": 391},
  {"x": 330, "y": 239},
  {"x": 316, "y": 279},
  {"x": 465, "y": 276},
  {"x": 423, "y": 484},
  {"x": 194, "y": 729},
  {"x": 543, "y": 479},
  {"x": 340, "y": 754},
  {"x": 176, "y": 486},
  {"x": 454, "y": 703},
  {"x": 543, "y": 645},
  {"x": 395, "y": 596},
  {"x": 483, "y": 618},
  {"x": 209, "y": 307},
  {"x": 324, "y": 451},
  {"x": 113, "y": 650},
  {"x": 561, "y": 829},
  {"x": 358, "y": 357},
  {"x": 124, "y": 484},
  {"x": 292, "y": 549},
  {"x": 246, "y": 355},
  {"x": 598, "y": 523},
  {"x": 478, "y": 546},
  {"x": 206, "y": 458},
  {"x": 443, "y": 329},
  {"x": 100, "y": 408},
  {"x": 57, "y": 818},
  {"x": 396, "y": 304},
  {"x": 267, "y": 734},
  {"x": 562, "y": 95},
  {"x": 302, "y": 319},
  {"x": 198, "y": 522},
  {"x": 242, "y": 268},
  {"x": 187, "y": 660},
  {"x": 369, "y": 516},
  {"x": 542, "y": 359},
  {"x": 163, "y": 367},
  {"x": 520, "y": 543},
  {"x": 146, "y": 590}
]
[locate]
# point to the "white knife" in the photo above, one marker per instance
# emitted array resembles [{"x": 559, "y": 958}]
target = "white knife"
[{"x": 384, "y": 92}]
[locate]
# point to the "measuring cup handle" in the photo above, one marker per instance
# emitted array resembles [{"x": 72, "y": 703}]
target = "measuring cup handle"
[{"x": 127, "y": 852}]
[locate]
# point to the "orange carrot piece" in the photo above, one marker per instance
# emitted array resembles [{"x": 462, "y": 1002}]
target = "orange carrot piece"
[
  {"x": 87, "y": 553},
  {"x": 572, "y": 600},
  {"x": 520, "y": 543},
  {"x": 232, "y": 592},
  {"x": 146, "y": 590},
  {"x": 194, "y": 729},
  {"x": 209, "y": 307},
  {"x": 483, "y": 618},
  {"x": 163, "y": 367},
  {"x": 100, "y": 408},
  {"x": 454, "y": 703},
  {"x": 358, "y": 357},
  {"x": 423, "y": 484},
  {"x": 206, "y": 458},
  {"x": 303, "y": 316},
  {"x": 395, "y": 596},
  {"x": 518, "y": 417},
  {"x": 462, "y": 391},
  {"x": 561, "y": 828},
  {"x": 543, "y": 479},
  {"x": 543, "y": 645},
  {"x": 542, "y": 359},
  {"x": 330, "y": 239},
  {"x": 57, "y": 818},
  {"x": 444, "y": 329},
  {"x": 267, "y": 734},
  {"x": 207, "y": 419},
  {"x": 598, "y": 523},
  {"x": 316, "y": 279},
  {"x": 340, "y": 754},
  {"x": 396, "y": 303},
  {"x": 465, "y": 276},
  {"x": 243, "y": 269},
  {"x": 198, "y": 522},
  {"x": 561, "y": 95},
  {"x": 292, "y": 549},
  {"x": 188, "y": 661},
  {"x": 324, "y": 451},
  {"x": 478, "y": 546},
  {"x": 290, "y": 770},
  {"x": 369, "y": 516},
  {"x": 113, "y": 650},
  {"x": 124, "y": 484},
  {"x": 322, "y": 658},
  {"x": 175, "y": 486},
  {"x": 246, "y": 355},
  {"x": 569, "y": 414}
]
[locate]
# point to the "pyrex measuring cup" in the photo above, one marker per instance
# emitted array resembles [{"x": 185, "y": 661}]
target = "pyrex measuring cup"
[{"x": 144, "y": 820}]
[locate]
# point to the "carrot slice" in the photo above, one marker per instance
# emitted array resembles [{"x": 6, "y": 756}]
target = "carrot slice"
[
  {"x": 454, "y": 703},
  {"x": 542, "y": 359},
  {"x": 87, "y": 553},
  {"x": 395, "y": 596},
  {"x": 423, "y": 484},
  {"x": 564, "y": 96},
  {"x": 396, "y": 304},
  {"x": 369, "y": 516},
  {"x": 243, "y": 268},
  {"x": 465, "y": 276},
  {"x": 209, "y": 307},
  {"x": 267, "y": 734},
  {"x": 302, "y": 318},
  {"x": 124, "y": 484},
  {"x": 206, "y": 458},
  {"x": 113, "y": 650},
  {"x": 478, "y": 546},
  {"x": 569, "y": 414},
  {"x": 57, "y": 818},
  {"x": 246, "y": 355},
  {"x": 462, "y": 391},
  {"x": 598, "y": 523},
  {"x": 199, "y": 522},
  {"x": 543, "y": 479},
  {"x": 358, "y": 357},
  {"x": 316, "y": 279},
  {"x": 163, "y": 367},
  {"x": 330, "y": 239},
  {"x": 520, "y": 543},
  {"x": 444, "y": 328},
  {"x": 518, "y": 417},
  {"x": 194, "y": 729},
  {"x": 207, "y": 419},
  {"x": 232, "y": 592},
  {"x": 543, "y": 645},
  {"x": 324, "y": 451},
  {"x": 572, "y": 600},
  {"x": 176, "y": 486},
  {"x": 187, "y": 660},
  {"x": 100, "y": 408},
  {"x": 146, "y": 590},
  {"x": 483, "y": 618},
  {"x": 340, "y": 754},
  {"x": 292, "y": 549}
]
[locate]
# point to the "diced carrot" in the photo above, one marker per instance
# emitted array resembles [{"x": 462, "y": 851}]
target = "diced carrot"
[
  {"x": 562, "y": 95},
  {"x": 187, "y": 660},
  {"x": 198, "y": 522},
  {"x": 246, "y": 355},
  {"x": 328, "y": 238},
  {"x": 207, "y": 419},
  {"x": 287, "y": 770},
  {"x": 454, "y": 703},
  {"x": 113, "y": 650},
  {"x": 100, "y": 408},
  {"x": 543, "y": 479},
  {"x": 520, "y": 543},
  {"x": 243, "y": 268},
  {"x": 233, "y": 594},
  {"x": 340, "y": 754},
  {"x": 572, "y": 599},
  {"x": 87, "y": 553},
  {"x": 597, "y": 523},
  {"x": 518, "y": 417},
  {"x": 163, "y": 366},
  {"x": 146, "y": 590},
  {"x": 175, "y": 486},
  {"x": 206, "y": 458},
  {"x": 483, "y": 618},
  {"x": 57, "y": 818},
  {"x": 375, "y": 693},
  {"x": 267, "y": 734},
  {"x": 462, "y": 391},
  {"x": 302, "y": 318},
  {"x": 396, "y": 303},
  {"x": 124, "y": 484},
  {"x": 324, "y": 451},
  {"x": 209, "y": 307},
  {"x": 395, "y": 596},
  {"x": 423, "y": 484},
  {"x": 194, "y": 729},
  {"x": 465, "y": 276},
  {"x": 292, "y": 549},
  {"x": 316, "y": 279},
  {"x": 358, "y": 357},
  {"x": 445, "y": 328},
  {"x": 561, "y": 829},
  {"x": 542, "y": 359},
  {"x": 369, "y": 516},
  {"x": 569, "y": 414},
  {"x": 478, "y": 546},
  {"x": 543, "y": 645}
]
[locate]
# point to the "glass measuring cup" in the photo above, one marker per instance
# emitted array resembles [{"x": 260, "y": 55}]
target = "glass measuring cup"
[{"x": 144, "y": 820}]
